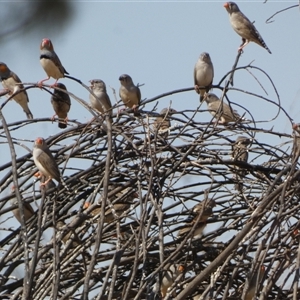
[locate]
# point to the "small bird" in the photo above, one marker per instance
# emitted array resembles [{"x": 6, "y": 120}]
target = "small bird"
[
  {"x": 76, "y": 240},
  {"x": 203, "y": 74},
  {"x": 205, "y": 208},
  {"x": 221, "y": 110},
  {"x": 28, "y": 210},
  {"x": 119, "y": 207},
  {"x": 243, "y": 27},
  {"x": 240, "y": 153},
  {"x": 129, "y": 93},
  {"x": 50, "y": 62},
  {"x": 12, "y": 83},
  {"x": 61, "y": 103},
  {"x": 252, "y": 282},
  {"x": 201, "y": 212},
  {"x": 162, "y": 122},
  {"x": 44, "y": 161},
  {"x": 170, "y": 274},
  {"x": 102, "y": 102}
]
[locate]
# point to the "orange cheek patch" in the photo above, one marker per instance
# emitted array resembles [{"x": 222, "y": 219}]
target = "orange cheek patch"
[{"x": 3, "y": 68}]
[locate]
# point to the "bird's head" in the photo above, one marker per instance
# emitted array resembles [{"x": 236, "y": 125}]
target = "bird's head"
[{"x": 47, "y": 44}]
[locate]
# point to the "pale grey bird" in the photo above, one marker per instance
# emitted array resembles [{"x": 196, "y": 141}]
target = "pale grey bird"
[
  {"x": 240, "y": 153},
  {"x": 170, "y": 274},
  {"x": 162, "y": 123},
  {"x": 243, "y": 27},
  {"x": 252, "y": 282},
  {"x": 44, "y": 161},
  {"x": 11, "y": 82},
  {"x": 220, "y": 110},
  {"x": 129, "y": 93},
  {"x": 203, "y": 74},
  {"x": 61, "y": 103},
  {"x": 28, "y": 210},
  {"x": 102, "y": 103}
]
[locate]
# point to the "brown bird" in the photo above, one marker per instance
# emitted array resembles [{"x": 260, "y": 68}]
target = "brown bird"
[
  {"x": 28, "y": 210},
  {"x": 119, "y": 207},
  {"x": 12, "y": 83},
  {"x": 162, "y": 123},
  {"x": 240, "y": 153},
  {"x": 220, "y": 110},
  {"x": 129, "y": 93},
  {"x": 61, "y": 103},
  {"x": 201, "y": 212},
  {"x": 44, "y": 161},
  {"x": 243, "y": 27},
  {"x": 75, "y": 241},
  {"x": 50, "y": 62},
  {"x": 203, "y": 74},
  {"x": 170, "y": 274},
  {"x": 102, "y": 103},
  {"x": 252, "y": 282}
]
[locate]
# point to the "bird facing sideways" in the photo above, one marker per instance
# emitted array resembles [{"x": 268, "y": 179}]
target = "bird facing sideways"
[
  {"x": 201, "y": 212},
  {"x": 220, "y": 110},
  {"x": 101, "y": 102},
  {"x": 126, "y": 199},
  {"x": 203, "y": 74},
  {"x": 50, "y": 62},
  {"x": 129, "y": 93},
  {"x": 11, "y": 82},
  {"x": 44, "y": 161},
  {"x": 243, "y": 27},
  {"x": 61, "y": 103},
  {"x": 240, "y": 153}
]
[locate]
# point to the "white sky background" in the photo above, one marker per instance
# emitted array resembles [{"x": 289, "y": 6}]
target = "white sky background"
[{"x": 158, "y": 43}]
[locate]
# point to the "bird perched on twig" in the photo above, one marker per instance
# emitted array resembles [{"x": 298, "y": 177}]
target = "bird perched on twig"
[
  {"x": 102, "y": 103},
  {"x": 45, "y": 161},
  {"x": 201, "y": 212},
  {"x": 203, "y": 74},
  {"x": 129, "y": 93},
  {"x": 220, "y": 110},
  {"x": 28, "y": 210},
  {"x": 170, "y": 274},
  {"x": 50, "y": 62},
  {"x": 253, "y": 280},
  {"x": 243, "y": 27},
  {"x": 240, "y": 153},
  {"x": 117, "y": 208},
  {"x": 162, "y": 123},
  {"x": 11, "y": 82},
  {"x": 61, "y": 103}
]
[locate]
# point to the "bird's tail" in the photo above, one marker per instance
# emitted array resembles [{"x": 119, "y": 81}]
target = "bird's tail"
[
  {"x": 62, "y": 124},
  {"x": 28, "y": 114}
]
